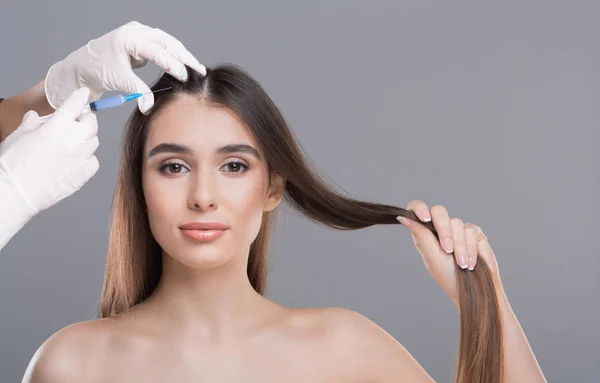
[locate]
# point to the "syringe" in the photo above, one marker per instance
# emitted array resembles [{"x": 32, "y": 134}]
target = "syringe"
[{"x": 108, "y": 102}]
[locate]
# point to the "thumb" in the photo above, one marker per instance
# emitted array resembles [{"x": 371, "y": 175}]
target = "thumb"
[
  {"x": 134, "y": 84},
  {"x": 73, "y": 105},
  {"x": 30, "y": 121},
  {"x": 30, "y": 115}
]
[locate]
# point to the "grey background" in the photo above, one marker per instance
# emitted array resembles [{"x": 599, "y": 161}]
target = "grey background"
[{"x": 490, "y": 110}]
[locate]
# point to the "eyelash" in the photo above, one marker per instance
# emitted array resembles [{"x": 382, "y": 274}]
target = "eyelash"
[{"x": 243, "y": 164}]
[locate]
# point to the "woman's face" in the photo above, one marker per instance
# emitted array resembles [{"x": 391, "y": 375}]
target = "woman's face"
[{"x": 202, "y": 165}]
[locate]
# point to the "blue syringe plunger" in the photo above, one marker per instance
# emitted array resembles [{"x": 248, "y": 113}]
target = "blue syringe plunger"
[{"x": 111, "y": 102}]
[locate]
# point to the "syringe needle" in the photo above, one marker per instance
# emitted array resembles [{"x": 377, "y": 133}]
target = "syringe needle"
[{"x": 154, "y": 91}]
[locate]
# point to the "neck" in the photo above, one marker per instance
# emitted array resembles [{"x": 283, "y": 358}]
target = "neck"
[{"x": 218, "y": 303}]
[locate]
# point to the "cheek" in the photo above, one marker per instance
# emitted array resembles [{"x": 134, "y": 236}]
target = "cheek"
[
  {"x": 161, "y": 200},
  {"x": 245, "y": 204}
]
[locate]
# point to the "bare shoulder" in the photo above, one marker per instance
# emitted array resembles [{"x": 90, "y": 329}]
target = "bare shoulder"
[
  {"x": 69, "y": 353},
  {"x": 362, "y": 345}
]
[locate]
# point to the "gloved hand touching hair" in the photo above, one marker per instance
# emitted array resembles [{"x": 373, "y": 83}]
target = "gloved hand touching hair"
[
  {"x": 40, "y": 164},
  {"x": 107, "y": 63}
]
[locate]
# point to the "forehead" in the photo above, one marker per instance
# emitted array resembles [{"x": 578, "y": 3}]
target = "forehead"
[{"x": 198, "y": 125}]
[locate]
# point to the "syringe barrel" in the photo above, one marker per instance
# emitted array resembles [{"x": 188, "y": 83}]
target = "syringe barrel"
[{"x": 109, "y": 102}]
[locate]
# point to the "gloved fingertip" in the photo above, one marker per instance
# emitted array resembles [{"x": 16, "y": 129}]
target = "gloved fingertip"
[
  {"x": 145, "y": 105},
  {"x": 184, "y": 74},
  {"x": 195, "y": 65},
  {"x": 30, "y": 114},
  {"x": 83, "y": 92}
]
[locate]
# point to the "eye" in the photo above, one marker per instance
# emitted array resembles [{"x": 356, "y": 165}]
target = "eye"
[
  {"x": 172, "y": 168},
  {"x": 236, "y": 166}
]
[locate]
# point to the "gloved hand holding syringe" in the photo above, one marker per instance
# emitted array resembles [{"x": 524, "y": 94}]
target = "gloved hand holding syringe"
[
  {"x": 44, "y": 160},
  {"x": 108, "y": 102}
]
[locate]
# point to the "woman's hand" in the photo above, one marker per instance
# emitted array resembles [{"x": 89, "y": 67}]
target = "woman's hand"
[{"x": 466, "y": 240}]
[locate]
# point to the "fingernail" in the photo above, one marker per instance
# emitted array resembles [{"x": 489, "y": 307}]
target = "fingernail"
[
  {"x": 426, "y": 218},
  {"x": 404, "y": 221},
  {"x": 471, "y": 264},
  {"x": 462, "y": 261},
  {"x": 448, "y": 245}
]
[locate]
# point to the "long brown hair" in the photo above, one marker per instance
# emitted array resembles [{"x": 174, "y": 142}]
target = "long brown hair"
[{"x": 134, "y": 262}]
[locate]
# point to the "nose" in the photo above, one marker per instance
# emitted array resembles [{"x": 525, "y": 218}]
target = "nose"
[{"x": 202, "y": 195}]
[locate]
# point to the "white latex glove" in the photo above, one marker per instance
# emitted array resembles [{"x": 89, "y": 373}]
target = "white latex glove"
[
  {"x": 107, "y": 63},
  {"x": 41, "y": 164}
]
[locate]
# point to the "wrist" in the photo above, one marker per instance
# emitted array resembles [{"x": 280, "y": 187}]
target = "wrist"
[
  {"x": 504, "y": 304},
  {"x": 14, "y": 108}
]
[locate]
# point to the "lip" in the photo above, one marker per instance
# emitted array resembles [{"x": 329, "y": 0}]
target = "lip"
[
  {"x": 204, "y": 226},
  {"x": 203, "y": 231}
]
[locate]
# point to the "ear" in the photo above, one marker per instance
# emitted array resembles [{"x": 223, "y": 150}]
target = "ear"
[{"x": 275, "y": 193}]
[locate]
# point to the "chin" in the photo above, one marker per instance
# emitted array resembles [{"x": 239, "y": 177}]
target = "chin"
[
  {"x": 200, "y": 259},
  {"x": 201, "y": 253}
]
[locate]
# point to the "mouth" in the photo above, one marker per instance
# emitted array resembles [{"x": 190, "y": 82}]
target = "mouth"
[
  {"x": 203, "y": 231},
  {"x": 213, "y": 225}
]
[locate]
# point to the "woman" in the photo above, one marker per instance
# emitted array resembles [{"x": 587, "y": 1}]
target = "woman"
[{"x": 200, "y": 179}]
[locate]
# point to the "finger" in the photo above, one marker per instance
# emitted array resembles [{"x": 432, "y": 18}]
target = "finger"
[
  {"x": 31, "y": 120},
  {"x": 134, "y": 84},
  {"x": 178, "y": 50},
  {"x": 420, "y": 209},
  {"x": 30, "y": 115},
  {"x": 85, "y": 129},
  {"x": 86, "y": 149},
  {"x": 90, "y": 167},
  {"x": 137, "y": 63},
  {"x": 140, "y": 31},
  {"x": 425, "y": 241},
  {"x": 471, "y": 236},
  {"x": 152, "y": 51},
  {"x": 441, "y": 222},
  {"x": 82, "y": 171},
  {"x": 484, "y": 249},
  {"x": 73, "y": 105},
  {"x": 460, "y": 242}
]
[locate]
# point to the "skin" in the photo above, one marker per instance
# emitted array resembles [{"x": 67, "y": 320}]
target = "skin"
[
  {"x": 204, "y": 322},
  {"x": 14, "y": 108}
]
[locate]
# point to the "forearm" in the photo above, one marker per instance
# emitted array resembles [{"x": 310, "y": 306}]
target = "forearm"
[
  {"x": 14, "y": 108},
  {"x": 519, "y": 361}
]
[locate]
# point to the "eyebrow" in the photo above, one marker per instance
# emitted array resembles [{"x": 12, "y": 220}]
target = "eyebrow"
[{"x": 182, "y": 149}]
